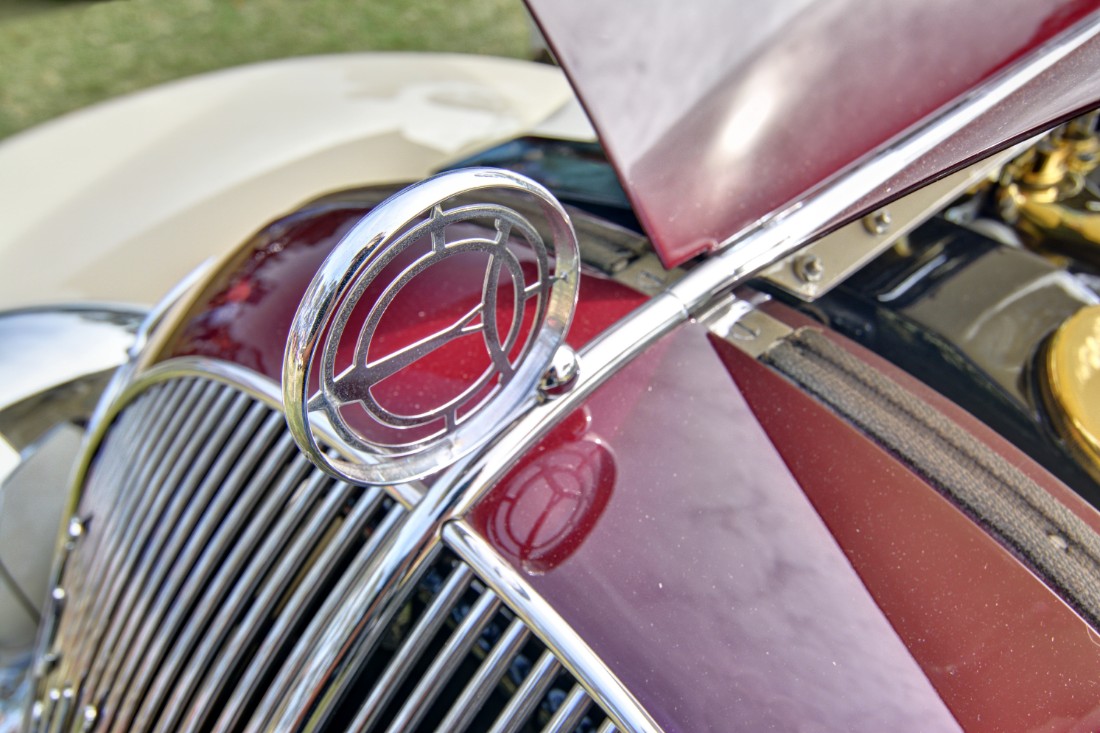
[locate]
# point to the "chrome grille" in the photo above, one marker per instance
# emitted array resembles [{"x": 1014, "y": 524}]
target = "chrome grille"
[{"x": 211, "y": 563}]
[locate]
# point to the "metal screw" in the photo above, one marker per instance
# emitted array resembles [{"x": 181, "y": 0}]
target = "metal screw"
[
  {"x": 58, "y": 596},
  {"x": 877, "y": 222},
  {"x": 808, "y": 268}
]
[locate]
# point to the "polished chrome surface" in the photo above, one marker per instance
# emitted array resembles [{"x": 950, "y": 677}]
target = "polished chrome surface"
[
  {"x": 54, "y": 364},
  {"x": 48, "y": 347},
  {"x": 256, "y": 385},
  {"x": 160, "y": 579},
  {"x": 571, "y": 650},
  {"x": 468, "y": 420},
  {"x": 561, "y": 373},
  {"x": 375, "y": 598},
  {"x": 739, "y": 321},
  {"x": 463, "y": 484},
  {"x": 204, "y": 604}
]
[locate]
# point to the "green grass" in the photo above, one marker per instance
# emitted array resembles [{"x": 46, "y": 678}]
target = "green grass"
[{"x": 58, "y": 56}]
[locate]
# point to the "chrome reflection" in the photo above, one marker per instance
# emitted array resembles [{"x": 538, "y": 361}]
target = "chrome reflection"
[{"x": 401, "y": 447}]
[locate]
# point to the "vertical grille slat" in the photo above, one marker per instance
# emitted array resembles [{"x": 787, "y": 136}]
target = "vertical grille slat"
[
  {"x": 89, "y": 566},
  {"x": 488, "y": 675},
  {"x": 570, "y": 713},
  {"x": 221, "y": 575},
  {"x": 527, "y": 697},
  {"x": 109, "y": 576},
  {"x": 318, "y": 645},
  {"x": 444, "y": 664},
  {"x": 292, "y": 611},
  {"x": 222, "y": 547},
  {"x": 152, "y": 558},
  {"x": 293, "y": 535},
  {"x": 202, "y": 539},
  {"x": 414, "y": 646}
]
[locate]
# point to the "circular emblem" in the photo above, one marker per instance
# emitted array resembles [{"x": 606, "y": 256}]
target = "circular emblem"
[{"x": 428, "y": 326}]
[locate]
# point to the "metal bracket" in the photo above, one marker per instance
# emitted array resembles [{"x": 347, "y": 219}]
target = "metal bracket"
[{"x": 819, "y": 267}]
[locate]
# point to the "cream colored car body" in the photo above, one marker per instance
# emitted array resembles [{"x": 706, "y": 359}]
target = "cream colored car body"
[{"x": 119, "y": 201}]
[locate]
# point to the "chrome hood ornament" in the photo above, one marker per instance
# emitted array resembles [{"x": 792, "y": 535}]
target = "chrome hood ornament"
[{"x": 339, "y": 375}]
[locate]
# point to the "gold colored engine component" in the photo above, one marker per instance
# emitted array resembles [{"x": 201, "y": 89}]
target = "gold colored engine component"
[
  {"x": 1045, "y": 192},
  {"x": 1070, "y": 383}
]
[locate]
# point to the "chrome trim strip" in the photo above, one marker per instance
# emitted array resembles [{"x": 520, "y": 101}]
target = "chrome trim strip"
[
  {"x": 573, "y": 653},
  {"x": 462, "y": 485}
]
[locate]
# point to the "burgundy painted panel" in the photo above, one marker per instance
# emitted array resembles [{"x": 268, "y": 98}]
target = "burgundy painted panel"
[
  {"x": 1017, "y": 458},
  {"x": 1003, "y": 650},
  {"x": 717, "y": 113},
  {"x": 697, "y": 568},
  {"x": 1069, "y": 87},
  {"x": 244, "y": 314}
]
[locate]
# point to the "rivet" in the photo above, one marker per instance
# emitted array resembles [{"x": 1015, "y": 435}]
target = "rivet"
[
  {"x": 808, "y": 268},
  {"x": 91, "y": 714},
  {"x": 1058, "y": 541},
  {"x": 877, "y": 222}
]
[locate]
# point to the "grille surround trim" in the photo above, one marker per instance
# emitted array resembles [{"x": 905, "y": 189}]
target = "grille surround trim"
[{"x": 601, "y": 686}]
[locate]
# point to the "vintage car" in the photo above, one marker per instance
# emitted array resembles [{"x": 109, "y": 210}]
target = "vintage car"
[{"x": 776, "y": 406}]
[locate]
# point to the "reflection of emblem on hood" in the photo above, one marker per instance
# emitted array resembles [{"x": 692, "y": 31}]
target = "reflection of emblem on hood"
[
  {"x": 544, "y": 510},
  {"x": 341, "y": 385}
]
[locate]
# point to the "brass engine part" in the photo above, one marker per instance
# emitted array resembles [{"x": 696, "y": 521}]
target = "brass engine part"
[{"x": 1069, "y": 379}]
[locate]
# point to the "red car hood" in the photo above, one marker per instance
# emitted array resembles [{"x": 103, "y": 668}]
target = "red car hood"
[{"x": 718, "y": 113}]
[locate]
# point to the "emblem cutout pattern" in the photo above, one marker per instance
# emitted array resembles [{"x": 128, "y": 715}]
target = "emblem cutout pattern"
[{"x": 391, "y": 446}]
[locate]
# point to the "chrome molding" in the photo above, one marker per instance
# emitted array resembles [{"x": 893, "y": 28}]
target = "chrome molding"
[
  {"x": 463, "y": 484},
  {"x": 739, "y": 321},
  {"x": 536, "y": 613},
  {"x": 52, "y": 345}
]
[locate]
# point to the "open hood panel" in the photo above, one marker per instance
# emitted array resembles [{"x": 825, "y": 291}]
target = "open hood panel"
[{"x": 717, "y": 113}]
